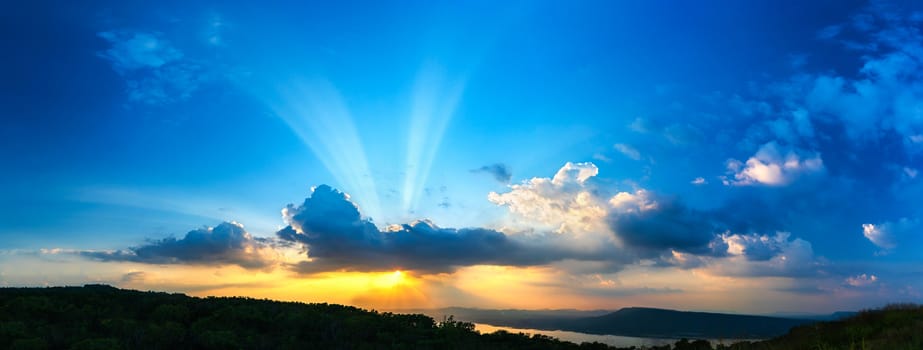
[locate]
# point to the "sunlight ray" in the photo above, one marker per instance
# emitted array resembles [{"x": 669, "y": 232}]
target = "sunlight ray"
[
  {"x": 316, "y": 112},
  {"x": 435, "y": 100}
]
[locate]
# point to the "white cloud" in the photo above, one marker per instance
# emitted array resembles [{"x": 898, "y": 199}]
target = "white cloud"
[
  {"x": 640, "y": 201},
  {"x": 772, "y": 166},
  {"x": 887, "y": 235},
  {"x": 886, "y": 96},
  {"x": 575, "y": 173},
  {"x": 564, "y": 203},
  {"x": 862, "y": 280},
  {"x": 763, "y": 255},
  {"x": 699, "y": 181},
  {"x": 628, "y": 151}
]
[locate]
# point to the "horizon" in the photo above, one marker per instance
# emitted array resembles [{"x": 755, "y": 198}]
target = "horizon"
[{"x": 753, "y": 158}]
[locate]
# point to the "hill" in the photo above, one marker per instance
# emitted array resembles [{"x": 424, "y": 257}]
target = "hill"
[
  {"x": 103, "y": 317},
  {"x": 896, "y": 327},
  {"x": 661, "y": 323},
  {"x": 633, "y": 321}
]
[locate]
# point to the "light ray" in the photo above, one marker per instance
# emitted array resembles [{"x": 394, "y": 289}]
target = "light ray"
[
  {"x": 316, "y": 113},
  {"x": 434, "y": 102}
]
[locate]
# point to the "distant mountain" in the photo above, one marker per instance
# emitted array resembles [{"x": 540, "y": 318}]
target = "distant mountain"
[
  {"x": 659, "y": 323},
  {"x": 633, "y": 321}
]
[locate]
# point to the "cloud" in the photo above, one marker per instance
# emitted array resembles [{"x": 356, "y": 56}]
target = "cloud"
[
  {"x": 754, "y": 255},
  {"x": 227, "y": 243},
  {"x": 155, "y": 71},
  {"x": 573, "y": 225},
  {"x": 888, "y": 235},
  {"x": 885, "y": 96},
  {"x": 134, "y": 276},
  {"x": 628, "y": 151},
  {"x": 338, "y": 238},
  {"x": 655, "y": 225},
  {"x": 499, "y": 171},
  {"x": 564, "y": 203},
  {"x": 774, "y": 166},
  {"x": 132, "y": 51},
  {"x": 647, "y": 226},
  {"x": 910, "y": 172},
  {"x": 756, "y": 247},
  {"x": 862, "y": 280},
  {"x": 699, "y": 181}
]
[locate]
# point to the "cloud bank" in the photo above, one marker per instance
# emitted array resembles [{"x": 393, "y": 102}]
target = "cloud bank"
[
  {"x": 225, "y": 244},
  {"x": 337, "y": 238}
]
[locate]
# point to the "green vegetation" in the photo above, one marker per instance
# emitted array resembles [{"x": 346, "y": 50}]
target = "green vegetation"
[
  {"x": 895, "y": 327},
  {"x": 103, "y": 317}
]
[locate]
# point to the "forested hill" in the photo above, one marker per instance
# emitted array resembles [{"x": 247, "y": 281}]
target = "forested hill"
[
  {"x": 649, "y": 322},
  {"x": 103, "y": 317},
  {"x": 634, "y": 321},
  {"x": 894, "y": 327}
]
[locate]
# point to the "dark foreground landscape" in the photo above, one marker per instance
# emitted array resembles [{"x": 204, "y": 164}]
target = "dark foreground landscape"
[
  {"x": 103, "y": 317},
  {"x": 635, "y": 322}
]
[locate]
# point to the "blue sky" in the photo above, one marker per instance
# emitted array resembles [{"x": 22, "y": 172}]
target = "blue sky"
[{"x": 611, "y": 148}]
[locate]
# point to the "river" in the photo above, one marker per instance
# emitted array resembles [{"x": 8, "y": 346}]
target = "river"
[{"x": 576, "y": 337}]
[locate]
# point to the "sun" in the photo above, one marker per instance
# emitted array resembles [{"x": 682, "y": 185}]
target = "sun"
[{"x": 391, "y": 280}]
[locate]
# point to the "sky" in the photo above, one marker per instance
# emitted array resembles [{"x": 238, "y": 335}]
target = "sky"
[{"x": 750, "y": 157}]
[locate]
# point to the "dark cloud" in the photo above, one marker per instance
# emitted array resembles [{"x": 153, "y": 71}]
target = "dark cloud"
[
  {"x": 499, "y": 171},
  {"x": 670, "y": 225},
  {"x": 338, "y": 238},
  {"x": 227, "y": 243},
  {"x": 134, "y": 276}
]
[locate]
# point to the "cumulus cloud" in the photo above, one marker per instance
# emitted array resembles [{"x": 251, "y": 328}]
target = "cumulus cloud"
[
  {"x": 564, "y": 203},
  {"x": 699, "y": 181},
  {"x": 757, "y": 255},
  {"x": 499, "y": 171},
  {"x": 773, "y": 165},
  {"x": 756, "y": 247},
  {"x": 588, "y": 232},
  {"x": 225, "y": 244},
  {"x": 338, "y": 238},
  {"x": 155, "y": 71},
  {"x": 888, "y": 235},
  {"x": 647, "y": 226},
  {"x": 628, "y": 151}
]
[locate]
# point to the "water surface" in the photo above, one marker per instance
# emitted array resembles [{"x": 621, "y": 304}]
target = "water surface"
[{"x": 577, "y": 337}]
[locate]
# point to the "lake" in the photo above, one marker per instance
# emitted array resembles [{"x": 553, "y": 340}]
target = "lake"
[{"x": 614, "y": 340}]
